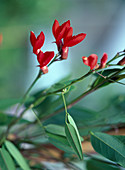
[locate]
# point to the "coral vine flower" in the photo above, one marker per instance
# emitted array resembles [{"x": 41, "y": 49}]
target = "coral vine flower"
[
  {"x": 44, "y": 59},
  {"x": 38, "y": 42},
  {"x": 65, "y": 32},
  {"x": 90, "y": 61}
]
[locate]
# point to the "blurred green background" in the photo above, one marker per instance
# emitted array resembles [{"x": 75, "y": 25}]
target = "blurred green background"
[{"x": 101, "y": 20}]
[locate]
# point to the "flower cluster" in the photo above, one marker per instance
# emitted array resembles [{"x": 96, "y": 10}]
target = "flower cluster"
[{"x": 64, "y": 39}]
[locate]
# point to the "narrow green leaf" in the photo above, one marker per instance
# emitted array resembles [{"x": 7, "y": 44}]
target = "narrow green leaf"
[
  {"x": 6, "y": 162},
  {"x": 55, "y": 129},
  {"x": 71, "y": 121},
  {"x": 17, "y": 155},
  {"x": 60, "y": 145},
  {"x": 98, "y": 165},
  {"x": 109, "y": 146},
  {"x": 61, "y": 139},
  {"x": 73, "y": 136}
]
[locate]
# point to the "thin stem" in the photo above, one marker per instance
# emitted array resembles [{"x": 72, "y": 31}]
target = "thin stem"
[
  {"x": 38, "y": 120},
  {"x": 77, "y": 99},
  {"x": 64, "y": 101},
  {"x": 29, "y": 89}
]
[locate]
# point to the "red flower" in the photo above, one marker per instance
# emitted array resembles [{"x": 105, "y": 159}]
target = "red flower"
[
  {"x": 38, "y": 42},
  {"x": 91, "y": 61},
  {"x": 65, "y": 32},
  {"x": 44, "y": 59},
  {"x": 103, "y": 60},
  {"x": 70, "y": 40}
]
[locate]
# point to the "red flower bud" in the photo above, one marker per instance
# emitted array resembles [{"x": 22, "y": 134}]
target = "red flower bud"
[
  {"x": 91, "y": 61},
  {"x": 64, "y": 53},
  {"x": 103, "y": 60},
  {"x": 121, "y": 62},
  {"x": 38, "y": 42}
]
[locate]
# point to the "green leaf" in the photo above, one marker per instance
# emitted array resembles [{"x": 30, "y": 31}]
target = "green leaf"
[
  {"x": 61, "y": 139},
  {"x": 73, "y": 136},
  {"x": 65, "y": 147},
  {"x": 98, "y": 165},
  {"x": 6, "y": 162},
  {"x": 58, "y": 138},
  {"x": 55, "y": 129},
  {"x": 16, "y": 155},
  {"x": 109, "y": 146},
  {"x": 5, "y": 103}
]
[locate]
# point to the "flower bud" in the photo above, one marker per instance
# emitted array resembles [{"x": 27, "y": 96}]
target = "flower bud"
[
  {"x": 103, "y": 60},
  {"x": 121, "y": 62}
]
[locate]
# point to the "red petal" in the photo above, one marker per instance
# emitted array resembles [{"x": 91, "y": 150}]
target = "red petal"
[
  {"x": 39, "y": 42},
  {"x": 91, "y": 61},
  {"x": 40, "y": 57},
  {"x": 55, "y": 27},
  {"x": 75, "y": 40},
  {"x": 85, "y": 60},
  {"x": 104, "y": 58},
  {"x": 45, "y": 58},
  {"x": 61, "y": 30},
  {"x": 48, "y": 57},
  {"x": 68, "y": 34},
  {"x": 32, "y": 38}
]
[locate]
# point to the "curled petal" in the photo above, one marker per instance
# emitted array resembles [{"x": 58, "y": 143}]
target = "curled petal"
[
  {"x": 32, "y": 38},
  {"x": 55, "y": 27},
  {"x": 39, "y": 42},
  {"x": 103, "y": 60},
  {"x": 75, "y": 40},
  {"x": 90, "y": 61}
]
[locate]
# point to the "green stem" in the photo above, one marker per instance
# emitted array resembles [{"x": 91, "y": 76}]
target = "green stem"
[
  {"x": 114, "y": 58},
  {"x": 29, "y": 89},
  {"x": 64, "y": 101},
  {"x": 77, "y": 99},
  {"x": 38, "y": 120}
]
